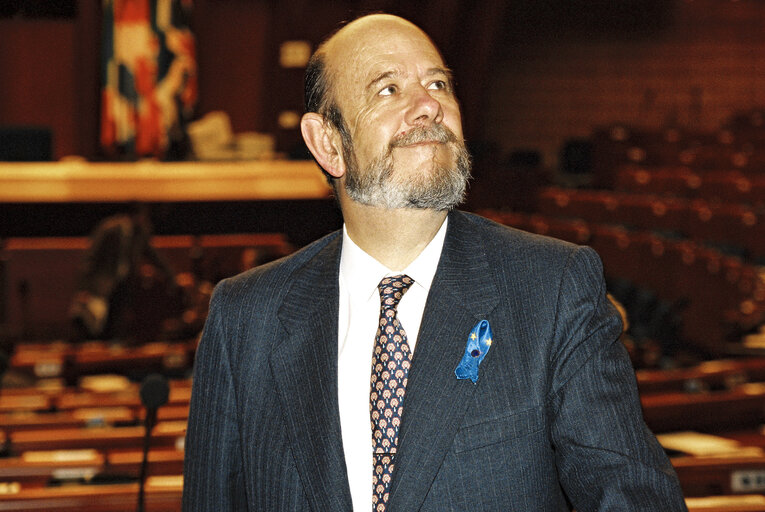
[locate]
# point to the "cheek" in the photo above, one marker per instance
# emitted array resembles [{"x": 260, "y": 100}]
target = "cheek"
[{"x": 372, "y": 135}]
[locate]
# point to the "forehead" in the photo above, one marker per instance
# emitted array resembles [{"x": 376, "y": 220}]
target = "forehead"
[{"x": 362, "y": 53}]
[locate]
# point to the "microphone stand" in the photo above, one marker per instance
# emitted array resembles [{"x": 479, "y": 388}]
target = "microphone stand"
[
  {"x": 154, "y": 393},
  {"x": 151, "y": 418}
]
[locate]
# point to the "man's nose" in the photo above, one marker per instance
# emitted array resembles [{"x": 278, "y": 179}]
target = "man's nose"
[{"x": 423, "y": 109}]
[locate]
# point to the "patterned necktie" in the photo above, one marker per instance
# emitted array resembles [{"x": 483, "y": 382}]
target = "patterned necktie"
[{"x": 390, "y": 367}]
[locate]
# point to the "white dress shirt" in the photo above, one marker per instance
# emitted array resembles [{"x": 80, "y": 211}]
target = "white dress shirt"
[{"x": 358, "y": 317}]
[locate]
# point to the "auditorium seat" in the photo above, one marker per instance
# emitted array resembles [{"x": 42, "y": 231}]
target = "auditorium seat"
[
  {"x": 589, "y": 205},
  {"x": 665, "y": 181},
  {"x": 733, "y": 187},
  {"x": 735, "y": 225}
]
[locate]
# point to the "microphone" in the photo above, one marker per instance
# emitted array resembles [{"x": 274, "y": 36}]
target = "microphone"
[
  {"x": 154, "y": 394},
  {"x": 154, "y": 391}
]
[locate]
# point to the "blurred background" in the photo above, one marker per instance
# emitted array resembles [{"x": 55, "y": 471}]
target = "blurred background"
[{"x": 150, "y": 148}]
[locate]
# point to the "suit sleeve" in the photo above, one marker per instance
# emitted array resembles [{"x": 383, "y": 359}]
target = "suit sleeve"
[
  {"x": 607, "y": 458},
  {"x": 212, "y": 462}
]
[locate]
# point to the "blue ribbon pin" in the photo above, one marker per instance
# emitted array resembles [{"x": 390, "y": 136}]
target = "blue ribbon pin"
[{"x": 478, "y": 344}]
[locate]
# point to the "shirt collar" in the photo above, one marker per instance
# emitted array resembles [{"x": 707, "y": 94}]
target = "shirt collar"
[{"x": 361, "y": 273}]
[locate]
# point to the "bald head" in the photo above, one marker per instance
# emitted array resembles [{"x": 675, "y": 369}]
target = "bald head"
[
  {"x": 360, "y": 33},
  {"x": 344, "y": 46}
]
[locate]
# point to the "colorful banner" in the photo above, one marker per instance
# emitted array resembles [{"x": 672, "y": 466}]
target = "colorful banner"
[{"x": 148, "y": 76}]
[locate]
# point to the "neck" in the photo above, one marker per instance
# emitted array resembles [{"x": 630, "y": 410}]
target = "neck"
[{"x": 377, "y": 230}]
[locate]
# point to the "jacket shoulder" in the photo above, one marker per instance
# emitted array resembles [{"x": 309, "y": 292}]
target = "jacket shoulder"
[
  {"x": 271, "y": 278},
  {"x": 507, "y": 239}
]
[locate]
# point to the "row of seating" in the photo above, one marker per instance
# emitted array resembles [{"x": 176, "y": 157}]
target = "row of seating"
[
  {"x": 738, "y": 227},
  {"x": 105, "y": 421},
  {"x": 730, "y": 147},
  {"x": 71, "y": 437},
  {"x": 730, "y": 186},
  {"x": 81, "y": 447},
  {"x": 99, "y": 401},
  {"x": 673, "y": 209},
  {"x": 44, "y": 458},
  {"x": 41, "y": 276},
  {"x": 162, "y": 494},
  {"x": 715, "y": 375},
  {"x": 721, "y": 296},
  {"x": 35, "y": 469},
  {"x": 70, "y": 361}
]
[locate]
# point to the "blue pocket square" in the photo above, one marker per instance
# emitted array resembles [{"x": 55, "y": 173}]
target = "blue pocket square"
[{"x": 478, "y": 344}]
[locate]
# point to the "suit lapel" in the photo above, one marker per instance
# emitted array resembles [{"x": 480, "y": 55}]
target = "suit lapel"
[
  {"x": 304, "y": 366},
  {"x": 463, "y": 292}
]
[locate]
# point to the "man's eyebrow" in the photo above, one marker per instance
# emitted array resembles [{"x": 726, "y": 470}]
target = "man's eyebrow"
[
  {"x": 382, "y": 76},
  {"x": 440, "y": 71},
  {"x": 446, "y": 72}
]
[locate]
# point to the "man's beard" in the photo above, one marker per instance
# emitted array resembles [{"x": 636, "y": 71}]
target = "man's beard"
[{"x": 441, "y": 188}]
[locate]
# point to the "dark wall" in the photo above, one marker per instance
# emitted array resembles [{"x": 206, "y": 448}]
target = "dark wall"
[
  {"x": 530, "y": 73},
  {"x": 645, "y": 63}
]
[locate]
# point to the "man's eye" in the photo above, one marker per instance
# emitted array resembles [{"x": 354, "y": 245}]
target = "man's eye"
[
  {"x": 437, "y": 85},
  {"x": 388, "y": 90}
]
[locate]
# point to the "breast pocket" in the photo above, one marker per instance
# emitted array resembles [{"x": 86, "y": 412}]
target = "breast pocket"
[{"x": 513, "y": 425}]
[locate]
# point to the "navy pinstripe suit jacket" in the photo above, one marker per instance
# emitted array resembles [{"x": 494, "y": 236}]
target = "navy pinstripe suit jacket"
[{"x": 553, "y": 421}]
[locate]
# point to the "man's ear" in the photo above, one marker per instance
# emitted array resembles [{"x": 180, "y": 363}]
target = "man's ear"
[{"x": 323, "y": 142}]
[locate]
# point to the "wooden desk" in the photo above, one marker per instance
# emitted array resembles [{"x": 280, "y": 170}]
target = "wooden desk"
[
  {"x": 749, "y": 503},
  {"x": 178, "y": 396},
  {"x": 716, "y": 374},
  {"x": 152, "y": 181},
  {"x": 156, "y": 357},
  {"x": 60, "y": 359},
  {"x": 740, "y": 408},
  {"x": 163, "y": 494},
  {"x": 186, "y": 198},
  {"x": 165, "y": 434},
  {"x": 708, "y": 476},
  {"x": 161, "y": 461},
  {"x": 36, "y": 469},
  {"x": 75, "y": 418},
  {"x": 31, "y": 402}
]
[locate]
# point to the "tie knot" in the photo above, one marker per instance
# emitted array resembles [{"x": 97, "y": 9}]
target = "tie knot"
[{"x": 392, "y": 289}]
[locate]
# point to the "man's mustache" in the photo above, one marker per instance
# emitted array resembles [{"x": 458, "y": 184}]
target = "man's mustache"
[{"x": 433, "y": 133}]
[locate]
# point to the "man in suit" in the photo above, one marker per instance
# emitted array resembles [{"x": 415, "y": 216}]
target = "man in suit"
[{"x": 543, "y": 413}]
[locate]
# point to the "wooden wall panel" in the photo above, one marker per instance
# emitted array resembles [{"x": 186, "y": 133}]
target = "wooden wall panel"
[{"x": 37, "y": 79}]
